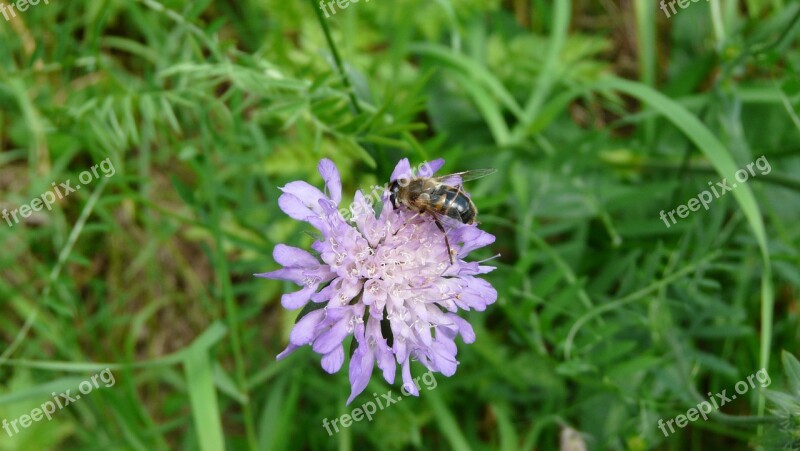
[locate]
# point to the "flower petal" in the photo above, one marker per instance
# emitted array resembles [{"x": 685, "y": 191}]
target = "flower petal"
[
  {"x": 332, "y": 361},
  {"x": 297, "y": 195},
  {"x": 294, "y": 207},
  {"x": 402, "y": 170},
  {"x": 361, "y": 366},
  {"x": 423, "y": 332},
  {"x": 444, "y": 358},
  {"x": 298, "y": 299},
  {"x": 472, "y": 237},
  {"x": 408, "y": 382},
  {"x": 464, "y": 328},
  {"x": 291, "y": 274},
  {"x": 350, "y": 288},
  {"x": 384, "y": 353},
  {"x": 333, "y": 337},
  {"x": 362, "y": 209},
  {"x": 305, "y": 191},
  {"x": 427, "y": 169},
  {"x": 477, "y": 294},
  {"x": 374, "y": 293},
  {"x": 304, "y": 331},
  {"x": 325, "y": 294},
  {"x": 289, "y": 349},
  {"x": 387, "y": 363},
  {"x": 293, "y": 257},
  {"x": 333, "y": 181}
]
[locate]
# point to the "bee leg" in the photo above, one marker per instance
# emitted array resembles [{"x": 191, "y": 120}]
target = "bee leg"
[{"x": 446, "y": 240}]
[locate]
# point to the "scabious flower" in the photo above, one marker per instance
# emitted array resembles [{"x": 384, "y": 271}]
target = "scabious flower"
[{"x": 385, "y": 279}]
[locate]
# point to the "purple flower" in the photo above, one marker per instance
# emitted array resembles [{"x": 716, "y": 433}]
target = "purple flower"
[{"x": 387, "y": 280}]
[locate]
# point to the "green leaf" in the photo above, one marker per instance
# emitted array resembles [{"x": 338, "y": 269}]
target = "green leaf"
[
  {"x": 724, "y": 164},
  {"x": 203, "y": 399},
  {"x": 792, "y": 368}
]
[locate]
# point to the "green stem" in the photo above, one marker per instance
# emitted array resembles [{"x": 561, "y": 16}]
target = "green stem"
[
  {"x": 646, "y": 48},
  {"x": 716, "y": 20},
  {"x": 378, "y": 157},
  {"x": 336, "y": 58},
  {"x": 231, "y": 310}
]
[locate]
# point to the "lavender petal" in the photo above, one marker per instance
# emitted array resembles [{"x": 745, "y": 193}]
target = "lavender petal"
[
  {"x": 330, "y": 174},
  {"x": 304, "y": 331},
  {"x": 332, "y": 361}
]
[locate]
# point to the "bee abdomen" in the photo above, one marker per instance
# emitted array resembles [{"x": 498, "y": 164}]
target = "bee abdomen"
[{"x": 455, "y": 204}]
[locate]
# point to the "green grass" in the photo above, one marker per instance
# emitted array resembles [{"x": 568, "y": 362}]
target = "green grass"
[{"x": 597, "y": 117}]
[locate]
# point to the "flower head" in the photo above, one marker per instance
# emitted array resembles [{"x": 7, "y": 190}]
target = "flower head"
[{"x": 385, "y": 279}]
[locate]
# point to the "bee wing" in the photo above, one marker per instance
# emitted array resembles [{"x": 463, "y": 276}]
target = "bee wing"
[
  {"x": 446, "y": 221},
  {"x": 459, "y": 178}
]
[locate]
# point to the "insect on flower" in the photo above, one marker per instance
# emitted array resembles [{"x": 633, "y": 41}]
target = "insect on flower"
[
  {"x": 440, "y": 197},
  {"x": 387, "y": 279}
]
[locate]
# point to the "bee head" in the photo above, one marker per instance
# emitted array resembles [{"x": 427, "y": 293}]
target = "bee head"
[{"x": 394, "y": 187}]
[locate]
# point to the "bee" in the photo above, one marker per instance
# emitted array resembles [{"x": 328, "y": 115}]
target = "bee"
[{"x": 441, "y": 197}]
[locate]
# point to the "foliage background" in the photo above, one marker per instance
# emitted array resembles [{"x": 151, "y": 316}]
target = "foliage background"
[{"x": 597, "y": 115}]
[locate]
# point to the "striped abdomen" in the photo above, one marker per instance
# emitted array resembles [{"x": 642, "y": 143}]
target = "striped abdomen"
[{"x": 453, "y": 203}]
